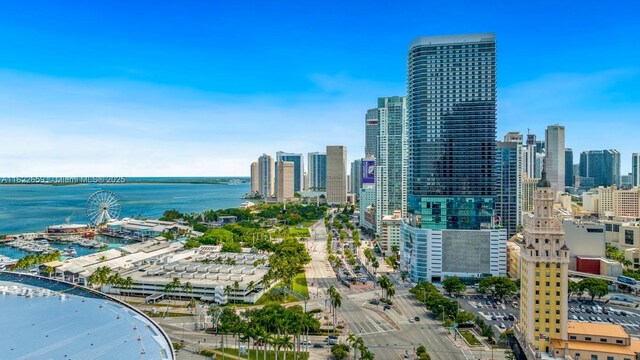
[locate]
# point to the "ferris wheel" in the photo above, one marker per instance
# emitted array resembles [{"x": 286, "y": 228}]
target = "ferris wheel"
[{"x": 102, "y": 206}]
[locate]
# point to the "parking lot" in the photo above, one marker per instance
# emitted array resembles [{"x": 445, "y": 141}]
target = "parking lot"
[
  {"x": 598, "y": 311},
  {"x": 497, "y": 313},
  {"x": 494, "y": 312}
]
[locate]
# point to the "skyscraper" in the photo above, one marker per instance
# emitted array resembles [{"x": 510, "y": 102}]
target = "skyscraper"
[
  {"x": 554, "y": 158},
  {"x": 266, "y": 180},
  {"x": 284, "y": 181},
  {"x": 544, "y": 275},
  {"x": 451, "y": 110},
  {"x": 568, "y": 167},
  {"x": 635, "y": 168},
  {"x": 355, "y": 179},
  {"x": 602, "y": 166},
  {"x": 317, "y": 172},
  {"x": 298, "y": 168},
  {"x": 451, "y": 100},
  {"x": 371, "y": 132},
  {"x": 336, "y": 174},
  {"x": 255, "y": 178},
  {"x": 509, "y": 184},
  {"x": 530, "y": 157},
  {"x": 391, "y": 157}
]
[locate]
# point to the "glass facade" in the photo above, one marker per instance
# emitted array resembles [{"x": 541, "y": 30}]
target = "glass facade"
[
  {"x": 317, "y": 172},
  {"x": 371, "y": 133},
  {"x": 451, "y": 100},
  {"x": 603, "y": 166},
  {"x": 298, "y": 166}
]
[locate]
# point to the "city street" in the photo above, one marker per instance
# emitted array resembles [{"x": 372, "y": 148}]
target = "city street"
[{"x": 387, "y": 333}]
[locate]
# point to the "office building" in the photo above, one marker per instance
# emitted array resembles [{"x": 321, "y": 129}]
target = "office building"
[
  {"x": 554, "y": 156},
  {"x": 451, "y": 183},
  {"x": 366, "y": 203},
  {"x": 391, "y": 157},
  {"x": 528, "y": 193},
  {"x": 371, "y": 133},
  {"x": 266, "y": 180},
  {"x": 436, "y": 254},
  {"x": 452, "y": 131},
  {"x": 298, "y": 168},
  {"x": 544, "y": 260},
  {"x": 508, "y": 204},
  {"x": 603, "y": 166},
  {"x": 317, "y": 172},
  {"x": 530, "y": 156},
  {"x": 635, "y": 168},
  {"x": 593, "y": 341},
  {"x": 355, "y": 179},
  {"x": 285, "y": 181},
  {"x": 336, "y": 174},
  {"x": 255, "y": 178},
  {"x": 568, "y": 167},
  {"x": 626, "y": 181}
]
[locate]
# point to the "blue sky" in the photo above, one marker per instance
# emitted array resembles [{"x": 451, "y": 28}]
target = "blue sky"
[{"x": 202, "y": 88}]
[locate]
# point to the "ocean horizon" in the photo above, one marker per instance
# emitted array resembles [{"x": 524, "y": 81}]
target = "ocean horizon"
[{"x": 33, "y": 207}]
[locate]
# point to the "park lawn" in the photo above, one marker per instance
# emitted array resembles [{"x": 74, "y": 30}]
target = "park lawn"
[
  {"x": 271, "y": 355},
  {"x": 469, "y": 337},
  {"x": 299, "y": 286},
  {"x": 295, "y": 232}
]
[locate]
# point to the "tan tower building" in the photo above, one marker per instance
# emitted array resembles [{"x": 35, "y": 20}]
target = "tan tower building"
[
  {"x": 284, "y": 181},
  {"x": 255, "y": 177},
  {"x": 336, "y": 174},
  {"x": 544, "y": 276}
]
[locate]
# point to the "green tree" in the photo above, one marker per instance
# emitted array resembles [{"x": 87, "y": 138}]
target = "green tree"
[
  {"x": 509, "y": 355},
  {"x": 385, "y": 283},
  {"x": 340, "y": 351},
  {"x": 464, "y": 317},
  {"x": 454, "y": 285},
  {"x": 498, "y": 286},
  {"x": 595, "y": 287}
]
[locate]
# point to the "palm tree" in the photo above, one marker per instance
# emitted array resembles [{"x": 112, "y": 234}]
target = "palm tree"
[
  {"x": 391, "y": 291},
  {"x": 175, "y": 284},
  {"x": 236, "y": 288},
  {"x": 385, "y": 283},
  {"x": 227, "y": 292},
  {"x": 351, "y": 339},
  {"x": 50, "y": 270},
  {"x": 366, "y": 354},
  {"x": 336, "y": 302}
]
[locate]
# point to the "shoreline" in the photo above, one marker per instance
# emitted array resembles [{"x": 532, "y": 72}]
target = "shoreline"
[{"x": 124, "y": 180}]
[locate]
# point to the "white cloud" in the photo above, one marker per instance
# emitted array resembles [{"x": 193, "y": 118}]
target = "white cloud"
[{"x": 64, "y": 127}]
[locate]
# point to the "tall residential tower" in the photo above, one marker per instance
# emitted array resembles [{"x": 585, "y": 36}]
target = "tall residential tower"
[
  {"x": 451, "y": 100},
  {"x": 391, "y": 157}
]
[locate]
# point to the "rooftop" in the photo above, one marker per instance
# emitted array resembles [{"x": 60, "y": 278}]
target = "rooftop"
[
  {"x": 452, "y": 39},
  {"x": 596, "y": 329},
  {"x": 598, "y": 347}
]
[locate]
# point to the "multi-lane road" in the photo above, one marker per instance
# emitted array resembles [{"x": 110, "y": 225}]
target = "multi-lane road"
[{"x": 389, "y": 334}]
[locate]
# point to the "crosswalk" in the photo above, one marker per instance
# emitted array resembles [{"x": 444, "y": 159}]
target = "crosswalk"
[{"x": 370, "y": 326}]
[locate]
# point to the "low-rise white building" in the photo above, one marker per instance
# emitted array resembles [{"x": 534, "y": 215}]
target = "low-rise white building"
[{"x": 151, "y": 265}]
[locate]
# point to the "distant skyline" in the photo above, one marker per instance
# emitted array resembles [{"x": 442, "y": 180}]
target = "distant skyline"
[{"x": 204, "y": 88}]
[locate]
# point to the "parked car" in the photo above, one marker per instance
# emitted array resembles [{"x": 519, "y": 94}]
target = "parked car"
[
  {"x": 513, "y": 318},
  {"x": 318, "y": 346},
  {"x": 411, "y": 320},
  {"x": 494, "y": 318},
  {"x": 417, "y": 318},
  {"x": 374, "y": 302},
  {"x": 305, "y": 342},
  {"x": 581, "y": 318},
  {"x": 623, "y": 313},
  {"x": 502, "y": 326}
]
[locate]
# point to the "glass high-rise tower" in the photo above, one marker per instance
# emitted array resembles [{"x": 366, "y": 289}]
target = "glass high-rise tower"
[{"x": 451, "y": 101}]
